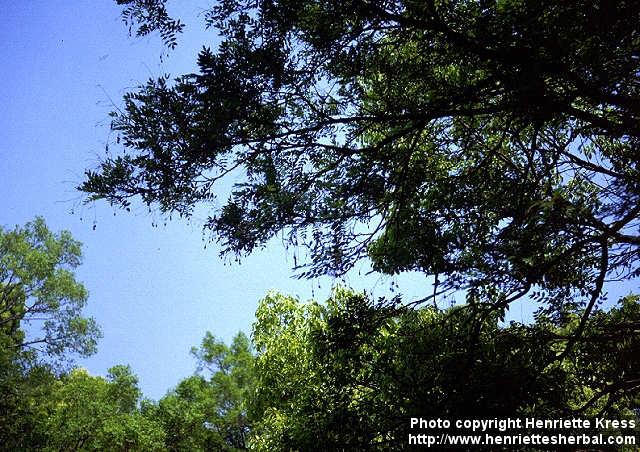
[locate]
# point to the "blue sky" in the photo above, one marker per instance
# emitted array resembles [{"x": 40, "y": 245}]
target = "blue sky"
[{"x": 154, "y": 291}]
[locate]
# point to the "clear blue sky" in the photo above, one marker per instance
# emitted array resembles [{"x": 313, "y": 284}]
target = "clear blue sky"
[{"x": 155, "y": 291}]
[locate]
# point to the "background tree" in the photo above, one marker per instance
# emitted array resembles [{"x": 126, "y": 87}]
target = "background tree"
[
  {"x": 209, "y": 411},
  {"x": 41, "y": 325},
  {"x": 93, "y": 413},
  {"x": 344, "y": 375},
  {"x": 40, "y": 299},
  {"x": 24, "y": 394}
]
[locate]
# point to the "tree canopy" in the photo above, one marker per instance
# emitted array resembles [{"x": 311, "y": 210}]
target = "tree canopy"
[
  {"x": 346, "y": 375},
  {"x": 341, "y": 374},
  {"x": 77, "y": 411},
  {"x": 492, "y": 145},
  {"x": 42, "y": 327},
  {"x": 46, "y": 405},
  {"x": 40, "y": 300},
  {"x": 208, "y": 411}
]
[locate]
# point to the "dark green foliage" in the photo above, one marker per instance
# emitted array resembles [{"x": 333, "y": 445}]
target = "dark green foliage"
[
  {"x": 326, "y": 382},
  {"x": 23, "y": 394},
  {"x": 150, "y": 16},
  {"x": 492, "y": 144}
]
